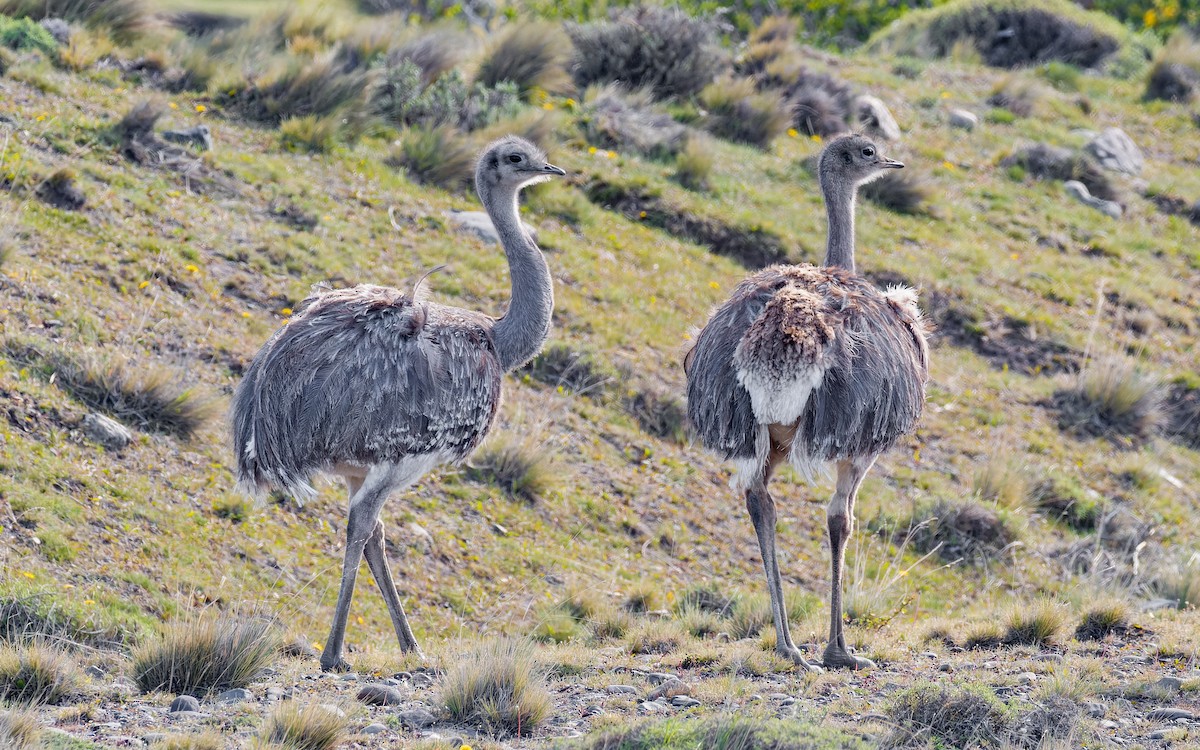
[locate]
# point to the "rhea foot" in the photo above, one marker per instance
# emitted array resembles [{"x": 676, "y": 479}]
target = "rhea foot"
[
  {"x": 797, "y": 658},
  {"x": 837, "y": 657},
  {"x": 334, "y": 664}
]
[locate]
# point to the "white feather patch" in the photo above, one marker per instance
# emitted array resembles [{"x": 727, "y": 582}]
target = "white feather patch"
[
  {"x": 747, "y": 471},
  {"x": 905, "y": 297},
  {"x": 778, "y": 401}
]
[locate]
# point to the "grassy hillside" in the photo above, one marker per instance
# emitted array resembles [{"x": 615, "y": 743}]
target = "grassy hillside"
[{"x": 146, "y": 303}]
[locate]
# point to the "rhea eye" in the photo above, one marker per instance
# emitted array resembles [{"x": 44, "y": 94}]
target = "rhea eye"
[
  {"x": 514, "y": 158},
  {"x": 868, "y": 152}
]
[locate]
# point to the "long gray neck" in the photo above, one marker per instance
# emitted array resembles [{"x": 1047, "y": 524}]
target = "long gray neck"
[
  {"x": 519, "y": 335},
  {"x": 839, "y": 207}
]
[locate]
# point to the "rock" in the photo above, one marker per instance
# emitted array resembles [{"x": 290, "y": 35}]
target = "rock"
[
  {"x": 480, "y": 224},
  {"x": 416, "y": 718},
  {"x": 1116, "y": 151},
  {"x": 787, "y": 702},
  {"x": 184, "y": 703},
  {"x": 669, "y": 689},
  {"x": 779, "y": 696},
  {"x": 277, "y": 693},
  {"x": 1079, "y": 192},
  {"x": 380, "y": 695},
  {"x": 683, "y": 701},
  {"x": 1094, "y": 710},
  {"x": 945, "y": 667},
  {"x": 108, "y": 433},
  {"x": 298, "y": 649},
  {"x": 418, "y": 537},
  {"x": 1169, "y": 683},
  {"x": 1027, "y": 678},
  {"x": 1106, "y": 724},
  {"x": 651, "y": 707},
  {"x": 961, "y": 118},
  {"x": 420, "y": 679},
  {"x": 96, "y": 673},
  {"x": 657, "y": 678},
  {"x": 200, "y": 136},
  {"x": 333, "y": 710},
  {"x": 929, "y": 655},
  {"x": 153, "y": 737},
  {"x": 621, "y": 690},
  {"x": 1056, "y": 658},
  {"x": 500, "y": 530},
  {"x": 375, "y": 728},
  {"x": 591, "y": 710},
  {"x": 1170, "y": 714},
  {"x": 235, "y": 695},
  {"x": 874, "y": 116},
  {"x": 348, "y": 677},
  {"x": 58, "y": 28}
]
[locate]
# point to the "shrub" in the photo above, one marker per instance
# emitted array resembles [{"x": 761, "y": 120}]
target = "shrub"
[
  {"x": 739, "y": 113},
  {"x": 1046, "y": 162},
  {"x": 206, "y": 654},
  {"x": 694, "y": 164},
  {"x": 573, "y": 370},
  {"x": 1016, "y": 94},
  {"x": 437, "y": 156},
  {"x": 24, "y": 33},
  {"x": 309, "y": 133},
  {"x": 1067, "y": 501},
  {"x": 1112, "y": 397},
  {"x": 664, "y": 49},
  {"x": 498, "y": 686},
  {"x": 298, "y": 727},
  {"x": 1102, "y": 620},
  {"x": 530, "y": 55},
  {"x": 1182, "y": 406},
  {"x": 956, "y": 715},
  {"x": 521, "y": 469},
  {"x": 904, "y": 191},
  {"x": 35, "y": 673},
  {"x": 1034, "y": 625},
  {"x": 1006, "y": 33},
  {"x": 19, "y": 729},
  {"x": 134, "y": 392},
  {"x": 628, "y": 120},
  {"x": 1175, "y": 75},
  {"x": 301, "y": 88},
  {"x": 61, "y": 191},
  {"x": 124, "y": 18},
  {"x": 659, "y": 413},
  {"x": 960, "y": 530}
]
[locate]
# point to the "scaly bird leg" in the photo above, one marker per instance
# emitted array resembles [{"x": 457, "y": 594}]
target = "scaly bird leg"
[
  {"x": 841, "y": 520},
  {"x": 377, "y": 562}
]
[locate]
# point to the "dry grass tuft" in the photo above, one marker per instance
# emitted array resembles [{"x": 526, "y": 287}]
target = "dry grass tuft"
[
  {"x": 206, "y": 654},
  {"x": 137, "y": 393},
  {"x": 317, "y": 87},
  {"x": 657, "y": 637},
  {"x": 950, "y": 715},
  {"x": 124, "y": 19},
  {"x": 19, "y": 729},
  {"x": 1065, "y": 500},
  {"x": 36, "y": 673},
  {"x": 1103, "y": 619},
  {"x": 310, "y": 133},
  {"x": 738, "y": 112},
  {"x": 573, "y": 370},
  {"x": 1175, "y": 75},
  {"x": 616, "y": 118},
  {"x": 700, "y": 623},
  {"x": 555, "y": 625},
  {"x": 519, "y": 467},
  {"x": 694, "y": 164},
  {"x": 530, "y": 55},
  {"x": 500, "y": 687},
  {"x": 437, "y": 156},
  {"x": 1052, "y": 720},
  {"x": 645, "y": 598},
  {"x": 1182, "y": 404},
  {"x": 205, "y": 741},
  {"x": 1002, "y": 482},
  {"x": 1112, "y": 397},
  {"x": 1038, "y": 624},
  {"x": 610, "y": 625},
  {"x": 61, "y": 190},
  {"x": 965, "y": 530},
  {"x": 1181, "y": 587},
  {"x": 659, "y": 412},
  {"x": 298, "y": 727},
  {"x": 904, "y": 191},
  {"x": 707, "y": 598},
  {"x": 1018, "y": 95},
  {"x": 985, "y": 635}
]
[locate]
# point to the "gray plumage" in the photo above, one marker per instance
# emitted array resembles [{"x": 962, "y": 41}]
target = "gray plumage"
[
  {"x": 813, "y": 365},
  {"x": 378, "y": 386}
]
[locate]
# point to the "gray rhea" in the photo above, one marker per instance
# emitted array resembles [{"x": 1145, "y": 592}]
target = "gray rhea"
[
  {"x": 811, "y": 364},
  {"x": 379, "y": 386}
]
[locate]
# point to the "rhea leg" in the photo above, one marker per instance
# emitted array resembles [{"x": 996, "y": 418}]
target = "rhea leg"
[
  {"x": 841, "y": 521},
  {"x": 761, "y": 506},
  {"x": 365, "y": 505},
  {"x": 377, "y": 562}
]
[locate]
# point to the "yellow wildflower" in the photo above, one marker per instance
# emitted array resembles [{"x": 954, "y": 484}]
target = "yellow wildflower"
[
  {"x": 816, "y": 138},
  {"x": 286, "y": 311},
  {"x": 191, "y": 268},
  {"x": 591, "y": 149},
  {"x": 245, "y": 314},
  {"x": 173, "y": 105},
  {"x": 792, "y": 132},
  {"x": 143, "y": 285},
  {"x": 714, "y": 285}
]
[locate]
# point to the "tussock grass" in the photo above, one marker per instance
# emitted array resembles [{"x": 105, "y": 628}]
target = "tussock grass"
[
  {"x": 555, "y": 625},
  {"x": 953, "y": 715},
  {"x": 706, "y": 597},
  {"x": 297, "y": 727},
  {"x": 234, "y": 508},
  {"x": 309, "y": 133},
  {"x": 820, "y": 103},
  {"x": 611, "y": 625},
  {"x": 1038, "y": 624},
  {"x": 904, "y": 191},
  {"x": 1182, "y": 403},
  {"x": 1053, "y": 719},
  {"x": 657, "y": 637},
  {"x": 985, "y": 635},
  {"x": 40, "y": 616},
  {"x": 498, "y": 686},
  {"x": 738, "y": 112},
  {"x": 519, "y": 467},
  {"x": 700, "y": 623},
  {"x": 205, "y": 741},
  {"x": 1002, "y": 482},
  {"x": 437, "y": 156},
  {"x": 61, "y": 190},
  {"x": 19, "y": 729},
  {"x": 720, "y": 732},
  {"x": 1017, "y": 94},
  {"x": 205, "y": 655},
  {"x": 1103, "y": 619},
  {"x": 694, "y": 164},
  {"x": 1175, "y": 75},
  {"x": 1182, "y": 587},
  {"x": 573, "y": 370},
  {"x": 139, "y": 393},
  {"x": 965, "y": 530},
  {"x": 628, "y": 120},
  {"x": 301, "y": 88},
  {"x": 1065, "y": 500},
  {"x": 1112, "y": 397},
  {"x": 658, "y": 412},
  {"x": 125, "y": 19},
  {"x": 644, "y": 598},
  {"x": 632, "y": 48},
  {"x": 1045, "y": 162},
  {"x": 34, "y": 673},
  {"x": 530, "y": 55}
]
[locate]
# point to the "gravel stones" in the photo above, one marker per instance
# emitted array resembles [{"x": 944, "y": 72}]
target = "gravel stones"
[{"x": 376, "y": 694}]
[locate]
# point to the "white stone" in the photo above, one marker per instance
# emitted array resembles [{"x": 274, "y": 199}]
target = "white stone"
[
  {"x": 108, "y": 433},
  {"x": 961, "y": 118},
  {"x": 874, "y": 116},
  {"x": 1116, "y": 151},
  {"x": 1079, "y": 192}
]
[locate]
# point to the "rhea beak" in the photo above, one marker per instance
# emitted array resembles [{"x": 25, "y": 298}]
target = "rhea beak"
[
  {"x": 551, "y": 169},
  {"x": 891, "y": 164}
]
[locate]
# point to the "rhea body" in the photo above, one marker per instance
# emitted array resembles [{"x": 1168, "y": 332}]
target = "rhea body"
[
  {"x": 379, "y": 386},
  {"x": 812, "y": 365}
]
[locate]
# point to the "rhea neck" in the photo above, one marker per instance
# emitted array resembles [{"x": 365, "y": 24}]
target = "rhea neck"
[
  {"x": 839, "y": 196},
  {"x": 519, "y": 335}
]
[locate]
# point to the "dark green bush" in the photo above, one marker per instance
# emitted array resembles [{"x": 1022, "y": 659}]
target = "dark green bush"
[
  {"x": 25, "y": 33},
  {"x": 124, "y": 18}
]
